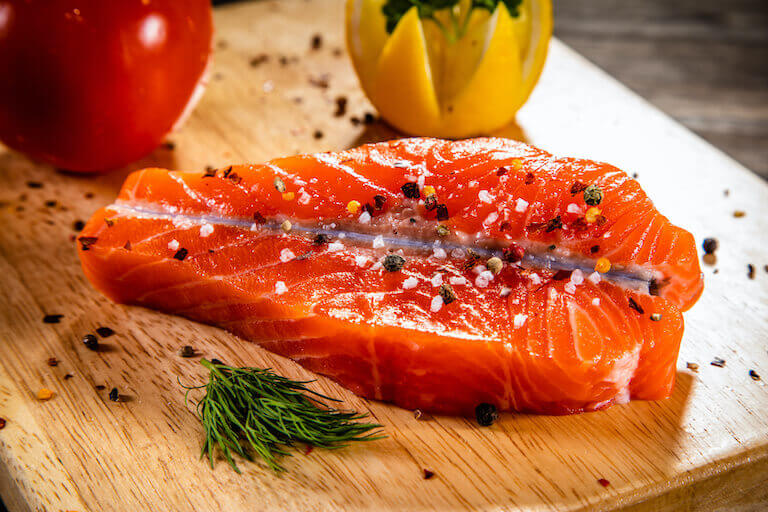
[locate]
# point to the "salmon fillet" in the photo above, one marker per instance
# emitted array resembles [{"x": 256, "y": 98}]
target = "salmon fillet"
[{"x": 348, "y": 264}]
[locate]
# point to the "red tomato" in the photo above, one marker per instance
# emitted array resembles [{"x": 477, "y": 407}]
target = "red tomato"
[{"x": 90, "y": 85}]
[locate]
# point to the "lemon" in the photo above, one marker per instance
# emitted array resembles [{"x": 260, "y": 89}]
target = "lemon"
[{"x": 461, "y": 72}]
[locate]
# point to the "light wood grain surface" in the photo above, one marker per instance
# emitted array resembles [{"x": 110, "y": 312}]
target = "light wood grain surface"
[{"x": 706, "y": 448}]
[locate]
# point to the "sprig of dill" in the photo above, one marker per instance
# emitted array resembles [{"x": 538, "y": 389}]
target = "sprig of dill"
[{"x": 248, "y": 411}]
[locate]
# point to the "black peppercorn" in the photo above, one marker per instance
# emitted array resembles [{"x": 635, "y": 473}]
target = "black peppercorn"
[
  {"x": 91, "y": 342},
  {"x": 187, "y": 351},
  {"x": 114, "y": 395},
  {"x": 486, "y": 414},
  {"x": 393, "y": 262},
  {"x": 709, "y": 245}
]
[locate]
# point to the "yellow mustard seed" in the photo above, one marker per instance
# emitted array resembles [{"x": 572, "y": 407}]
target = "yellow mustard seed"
[
  {"x": 428, "y": 190},
  {"x": 494, "y": 264},
  {"x": 517, "y": 164},
  {"x": 286, "y": 226},
  {"x": 353, "y": 206},
  {"x": 592, "y": 214},
  {"x": 602, "y": 265},
  {"x": 44, "y": 394}
]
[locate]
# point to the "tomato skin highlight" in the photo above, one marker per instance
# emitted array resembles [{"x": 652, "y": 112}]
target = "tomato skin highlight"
[{"x": 91, "y": 85}]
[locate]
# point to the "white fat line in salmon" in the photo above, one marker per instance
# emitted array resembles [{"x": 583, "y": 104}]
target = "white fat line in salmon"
[{"x": 636, "y": 278}]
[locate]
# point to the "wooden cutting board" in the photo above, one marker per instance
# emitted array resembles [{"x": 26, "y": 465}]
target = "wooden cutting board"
[{"x": 705, "y": 448}]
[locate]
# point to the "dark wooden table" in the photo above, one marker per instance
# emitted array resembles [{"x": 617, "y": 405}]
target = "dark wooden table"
[{"x": 704, "y": 62}]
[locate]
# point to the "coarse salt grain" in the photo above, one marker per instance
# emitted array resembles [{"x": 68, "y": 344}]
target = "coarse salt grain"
[
  {"x": 365, "y": 218},
  {"x": 439, "y": 253},
  {"x": 573, "y": 208},
  {"x": 491, "y": 218},
  {"x": 535, "y": 279},
  {"x": 361, "y": 261},
  {"x": 485, "y": 197},
  {"x": 577, "y": 277},
  {"x": 594, "y": 277},
  {"x": 505, "y": 291},
  {"x": 436, "y": 280},
  {"x": 458, "y": 253},
  {"x": 409, "y": 283},
  {"x": 304, "y": 197},
  {"x": 173, "y": 245},
  {"x": 457, "y": 280},
  {"x": 472, "y": 184},
  {"x": 596, "y": 301},
  {"x": 378, "y": 242},
  {"x": 479, "y": 269},
  {"x": 286, "y": 255},
  {"x": 437, "y": 304},
  {"x": 519, "y": 320},
  {"x": 280, "y": 288},
  {"x": 335, "y": 246},
  {"x": 521, "y": 205},
  {"x": 205, "y": 230},
  {"x": 570, "y": 288}
]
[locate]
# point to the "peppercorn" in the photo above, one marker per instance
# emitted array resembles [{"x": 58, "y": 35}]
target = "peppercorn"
[
  {"x": 393, "y": 262},
  {"x": 279, "y": 185},
  {"x": 513, "y": 253},
  {"x": 104, "y": 332},
  {"x": 709, "y": 245},
  {"x": 593, "y": 196},
  {"x": 187, "y": 351},
  {"x": 428, "y": 474},
  {"x": 486, "y": 414},
  {"x": 494, "y": 264},
  {"x": 91, "y": 342},
  {"x": 446, "y": 292},
  {"x": 2, "y": 423},
  {"x": 286, "y": 226},
  {"x": 114, "y": 395},
  {"x": 320, "y": 239},
  {"x": 411, "y": 190},
  {"x": 442, "y": 212},
  {"x": 430, "y": 203}
]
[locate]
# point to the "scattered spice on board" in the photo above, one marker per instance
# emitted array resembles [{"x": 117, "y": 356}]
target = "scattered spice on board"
[
  {"x": 51, "y": 203},
  {"x": 393, "y": 262},
  {"x": 709, "y": 258},
  {"x": 634, "y": 305},
  {"x": 180, "y": 254},
  {"x": 529, "y": 178},
  {"x": 114, "y": 395},
  {"x": 739, "y": 214},
  {"x": 52, "y": 319},
  {"x": 719, "y": 362},
  {"x": 44, "y": 394},
  {"x": 379, "y": 201},
  {"x": 319, "y": 81},
  {"x": 692, "y": 366},
  {"x": 34, "y": 184},
  {"x": 169, "y": 145},
  {"x": 656, "y": 317},
  {"x": 709, "y": 245},
  {"x": 317, "y": 42},
  {"x": 52, "y": 361},
  {"x": 86, "y": 242},
  {"x": 258, "y": 60},
  {"x": 418, "y": 414},
  {"x": 341, "y": 106},
  {"x": 486, "y": 414},
  {"x": 369, "y": 118},
  {"x": 561, "y": 275},
  {"x": 78, "y": 225},
  {"x": 279, "y": 185},
  {"x": 127, "y": 245},
  {"x": 603, "y": 482},
  {"x": 68, "y": 376},
  {"x": 100, "y": 387},
  {"x": 411, "y": 190},
  {"x": 104, "y": 332},
  {"x": 750, "y": 271},
  {"x": 91, "y": 342},
  {"x": 2, "y": 423},
  {"x": 187, "y": 351},
  {"x": 320, "y": 239},
  {"x": 210, "y": 172},
  {"x": 754, "y": 375},
  {"x": 428, "y": 474},
  {"x": 430, "y": 203},
  {"x": 577, "y": 187},
  {"x": 317, "y": 134}
]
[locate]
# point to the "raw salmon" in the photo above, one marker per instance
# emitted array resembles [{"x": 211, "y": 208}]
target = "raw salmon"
[{"x": 379, "y": 267}]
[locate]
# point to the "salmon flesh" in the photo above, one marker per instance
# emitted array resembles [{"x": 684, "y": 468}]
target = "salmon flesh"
[{"x": 433, "y": 274}]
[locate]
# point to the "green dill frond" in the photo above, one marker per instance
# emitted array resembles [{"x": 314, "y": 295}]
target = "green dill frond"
[{"x": 254, "y": 411}]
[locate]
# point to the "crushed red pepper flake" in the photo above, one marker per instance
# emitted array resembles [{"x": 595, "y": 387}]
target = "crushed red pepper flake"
[
  {"x": 127, "y": 245},
  {"x": 411, "y": 190},
  {"x": 504, "y": 226},
  {"x": 52, "y": 361},
  {"x": 379, "y": 201},
  {"x": 308, "y": 449},
  {"x": 750, "y": 271},
  {"x": 181, "y": 254},
  {"x": 694, "y": 367},
  {"x": 210, "y": 172},
  {"x": 634, "y": 305},
  {"x": 3, "y": 422},
  {"x": 52, "y": 319},
  {"x": 529, "y": 178},
  {"x": 754, "y": 375},
  {"x": 259, "y": 218},
  {"x": 604, "y": 482},
  {"x": 501, "y": 171},
  {"x": 109, "y": 222},
  {"x": 341, "y": 106},
  {"x": 718, "y": 361},
  {"x": 577, "y": 187},
  {"x": 86, "y": 242},
  {"x": 561, "y": 275},
  {"x": 428, "y": 474}
]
